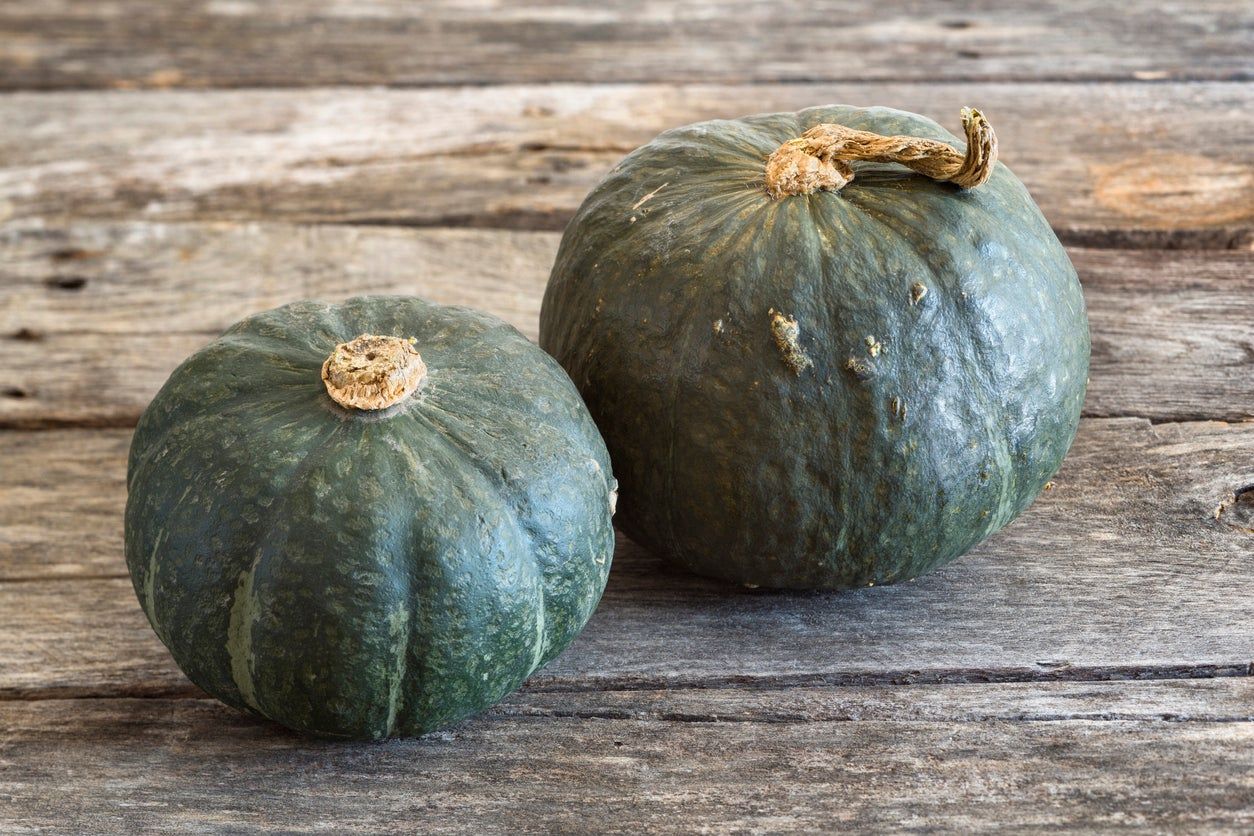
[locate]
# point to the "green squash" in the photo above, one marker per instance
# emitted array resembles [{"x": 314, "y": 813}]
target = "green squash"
[
  {"x": 367, "y": 570},
  {"x": 819, "y": 387}
]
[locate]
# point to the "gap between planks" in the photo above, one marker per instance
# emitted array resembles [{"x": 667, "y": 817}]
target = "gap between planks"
[
  {"x": 1094, "y": 700},
  {"x": 539, "y": 685}
]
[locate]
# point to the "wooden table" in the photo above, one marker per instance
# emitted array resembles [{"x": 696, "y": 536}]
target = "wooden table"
[{"x": 169, "y": 167}]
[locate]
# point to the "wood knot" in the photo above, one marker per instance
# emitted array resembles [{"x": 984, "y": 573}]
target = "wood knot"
[{"x": 1237, "y": 511}]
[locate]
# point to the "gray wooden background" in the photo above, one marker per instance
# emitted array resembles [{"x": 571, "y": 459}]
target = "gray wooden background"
[{"x": 168, "y": 167}]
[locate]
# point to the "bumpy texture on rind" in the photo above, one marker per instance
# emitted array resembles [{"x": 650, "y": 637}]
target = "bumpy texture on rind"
[
  {"x": 944, "y": 335},
  {"x": 367, "y": 574}
]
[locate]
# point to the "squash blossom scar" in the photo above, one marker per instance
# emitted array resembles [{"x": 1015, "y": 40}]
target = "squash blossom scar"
[{"x": 786, "y": 332}]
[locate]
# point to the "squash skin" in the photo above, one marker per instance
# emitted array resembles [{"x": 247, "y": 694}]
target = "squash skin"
[
  {"x": 741, "y": 463},
  {"x": 367, "y": 574}
]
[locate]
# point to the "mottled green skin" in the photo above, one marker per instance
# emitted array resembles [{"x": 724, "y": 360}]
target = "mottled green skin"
[
  {"x": 739, "y": 468},
  {"x": 362, "y": 574}
]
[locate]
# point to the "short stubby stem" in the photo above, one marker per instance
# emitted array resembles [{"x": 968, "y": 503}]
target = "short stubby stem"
[
  {"x": 373, "y": 372},
  {"x": 819, "y": 158}
]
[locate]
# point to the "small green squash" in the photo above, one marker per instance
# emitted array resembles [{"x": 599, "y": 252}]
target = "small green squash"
[
  {"x": 367, "y": 519},
  {"x": 813, "y": 367}
]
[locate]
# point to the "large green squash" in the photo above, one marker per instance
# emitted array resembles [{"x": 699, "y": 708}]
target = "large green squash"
[
  {"x": 367, "y": 570},
  {"x": 810, "y": 386}
]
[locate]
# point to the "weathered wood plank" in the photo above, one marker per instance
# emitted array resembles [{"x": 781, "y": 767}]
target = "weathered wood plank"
[
  {"x": 114, "y": 307},
  {"x": 1221, "y": 699},
  {"x": 193, "y": 765},
  {"x": 1110, "y": 164},
  {"x": 1122, "y": 570},
  {"x": 196, "y": 43},
  {"x": 1173, "y": 333},
  {"x": 61, "y": 504},
  {"x": 145, "y": 278}
]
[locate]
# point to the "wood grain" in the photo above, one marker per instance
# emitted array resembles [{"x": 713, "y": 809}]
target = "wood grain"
[
  {"x": 61, "y": 504},
  {"x": 193, "y": 765},
  {"x": 114, "y": 307},
  {"x": 57, "y": 43},
  {"x": 1110, "y": 164},
  {"x": 1120, "y": 571},
  {"x": 1173, "y": 333},
  {"x": 123, "y": 279},
  {"x": 1220, "y": 699},
  {"x": 1089, "y": 668}
]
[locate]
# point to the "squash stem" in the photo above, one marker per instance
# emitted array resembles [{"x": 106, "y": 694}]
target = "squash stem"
[
  {"x": 819, "y": 158},
  {"x": 373, "y": 372}
]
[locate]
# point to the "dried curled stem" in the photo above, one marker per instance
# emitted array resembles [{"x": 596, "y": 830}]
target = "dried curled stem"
[
  {"x": 373, "y": 372},
  {"x": 818, "y": 159}
]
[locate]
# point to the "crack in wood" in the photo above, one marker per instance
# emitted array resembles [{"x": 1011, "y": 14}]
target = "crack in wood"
[{"x": 952, "y": 676}]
